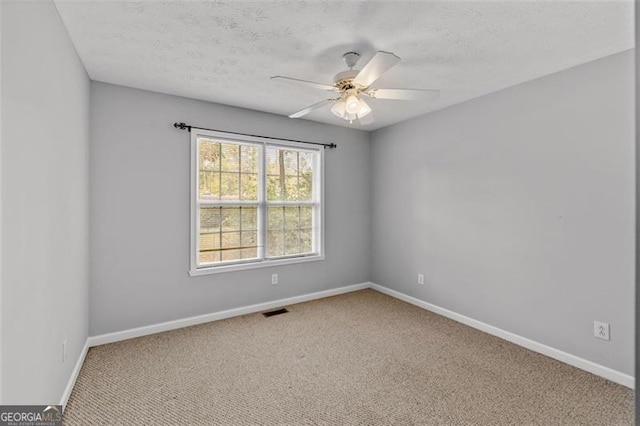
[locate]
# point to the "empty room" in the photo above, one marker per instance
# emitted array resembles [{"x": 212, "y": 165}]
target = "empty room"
[{"x": 317, "y": 212}]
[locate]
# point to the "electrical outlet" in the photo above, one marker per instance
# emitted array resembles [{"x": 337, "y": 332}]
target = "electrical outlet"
[
  {"x": 420, "y": 279},
  {"x": 274, "y": 279},
  {"x": 64, "y": 351},
  {"x": 601, "y": 330}
]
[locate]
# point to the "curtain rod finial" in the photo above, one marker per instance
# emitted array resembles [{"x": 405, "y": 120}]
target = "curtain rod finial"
[{"x": 182, "y": 126}]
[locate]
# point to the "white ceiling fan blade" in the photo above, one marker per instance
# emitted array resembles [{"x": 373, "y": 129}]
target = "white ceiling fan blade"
[
  {"x": 308, "y": 109},
  {"x": 367, "y": 119},
  {"x": 377, "y": 66},
  {"x": 404, "y": 94},
  {"x": 305, "y": 82}
]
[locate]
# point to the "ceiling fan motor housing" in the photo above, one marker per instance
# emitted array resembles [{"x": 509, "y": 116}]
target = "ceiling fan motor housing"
[{"x": 344, "y": 80}]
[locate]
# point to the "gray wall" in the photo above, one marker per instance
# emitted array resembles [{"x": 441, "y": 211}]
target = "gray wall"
[
  {"x": 140, "y": 211},
  {"x": 519, "y": 209},
  {"x": 45, "y": 210}
]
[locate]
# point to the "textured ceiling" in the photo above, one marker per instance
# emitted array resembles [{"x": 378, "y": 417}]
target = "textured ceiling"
[{"x": 226, "y": 52}]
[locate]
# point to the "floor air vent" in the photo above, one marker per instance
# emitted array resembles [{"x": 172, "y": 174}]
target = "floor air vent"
[{"x": 276, "y": 312}]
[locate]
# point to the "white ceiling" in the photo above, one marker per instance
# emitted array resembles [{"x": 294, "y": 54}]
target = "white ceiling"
[{"x": 226, "y": 52}]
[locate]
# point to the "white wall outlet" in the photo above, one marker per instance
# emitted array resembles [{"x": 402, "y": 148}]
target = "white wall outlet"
[
  {"x": 421, "y": 279},
  {"x": 64, "y": 351},
  {"x": 274, "y": 279},
  {"x": 601, "y": 330}
]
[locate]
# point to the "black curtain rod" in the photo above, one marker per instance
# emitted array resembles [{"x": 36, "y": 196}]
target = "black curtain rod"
[{"x": 183, "y": 126}]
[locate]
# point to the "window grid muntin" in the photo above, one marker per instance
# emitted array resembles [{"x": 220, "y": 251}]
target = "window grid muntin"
[
  {"x": 221, "y": 232},
  {"x": 283, "y": 227}
]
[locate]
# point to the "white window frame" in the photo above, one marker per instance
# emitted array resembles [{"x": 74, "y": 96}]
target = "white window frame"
[{"x": 263, "y": 262}]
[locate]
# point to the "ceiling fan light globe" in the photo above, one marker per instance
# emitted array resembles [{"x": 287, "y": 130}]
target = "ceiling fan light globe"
[
  {"x": 338, "y": 109},
  {"x": 364, "y": 109},
  {"x": 352, "y": 104}
]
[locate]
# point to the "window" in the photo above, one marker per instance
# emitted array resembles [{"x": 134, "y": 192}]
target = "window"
[{"x": 254, "y": 202}]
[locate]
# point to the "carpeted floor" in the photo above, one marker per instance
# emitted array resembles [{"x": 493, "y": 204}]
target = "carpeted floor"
[{"x": 358, "y": 358}]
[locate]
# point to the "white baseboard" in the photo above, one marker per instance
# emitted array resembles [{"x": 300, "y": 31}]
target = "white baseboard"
[
  {"x": 74, "y": 376},
  {"x": 216, "y": 316},
  {"x": 581, "y": 363}
]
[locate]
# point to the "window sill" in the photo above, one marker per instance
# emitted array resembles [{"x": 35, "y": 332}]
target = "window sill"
[{"x": 245, "y": 266}]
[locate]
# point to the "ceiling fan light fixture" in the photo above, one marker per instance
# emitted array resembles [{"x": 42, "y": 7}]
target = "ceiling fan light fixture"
[
  {"x": 350, "y": 108},
  {"x": 352, "y": 104},
  {"x": 364, "y": 109},
  {"x": 339, "y": 108}
]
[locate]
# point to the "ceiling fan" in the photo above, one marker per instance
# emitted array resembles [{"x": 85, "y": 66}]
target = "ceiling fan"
[{"x": 353, "y": 84}]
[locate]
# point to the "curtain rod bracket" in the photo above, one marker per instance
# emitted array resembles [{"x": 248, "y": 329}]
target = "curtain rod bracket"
[{"x": 184, "y": 126}]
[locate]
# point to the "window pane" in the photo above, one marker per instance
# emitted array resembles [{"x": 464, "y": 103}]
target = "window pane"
[
  {"x": 231, "y": 246},
  {"x": 249, "y": 239},
  {"x": 289, "y": 175},
  {"x": 209, "y": 185},
  {"x": 306, "y": 217},
  {"x": 275, "y": 243},
  {"x": 274, "y": 188},
  {"x": 291, "y": 188},
  {"x": 230, "y": 186},
  {"x": 272, "y": 162},
  {"x": 209, "y": 219},
  {"x": 230, "y": 240},
  {"x": 208, "y": 155},
  {"x": 282, "y": 162},
  {"x": 290, "y": 159},
  {"x": 249, "y": 218},
  {"x": 305, "y": 162},
  {"x": 275, "y": 217},
  {"x": 230, "y": 218},
  {"x": 209, "y": 245},
  {"x": 209, "y": 256},
  {"x": 229, "y": 255},
  {"x": 251, "y": 253},
  {"x": 305, "y": 189},
  {"x": 306, "y": 240},
  {"x": 209, "y": 241},
  {"x": 291, "y": 244},
  {"x": 209, "y": 235},
  {"x": 230, "y": 157},
  {"x": 249, "y": 187},
  {"x": 249, "y": 159},
  {"x": 249, "y": 242},
  {"x": 291, "y": 217}
]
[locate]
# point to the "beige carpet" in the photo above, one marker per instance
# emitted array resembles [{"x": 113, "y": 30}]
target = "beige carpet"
[{"x": 359, "y": 358}]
